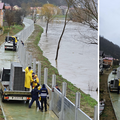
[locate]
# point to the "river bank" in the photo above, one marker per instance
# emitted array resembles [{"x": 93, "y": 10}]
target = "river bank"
[{"x": 87, "y": 103}]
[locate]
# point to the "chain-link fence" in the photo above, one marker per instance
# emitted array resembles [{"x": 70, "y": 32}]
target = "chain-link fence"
[{"x": 58, "y": 102}]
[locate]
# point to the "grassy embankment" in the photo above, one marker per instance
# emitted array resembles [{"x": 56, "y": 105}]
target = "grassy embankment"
[
  {"x": 87, "y": 103},
  {"x": 12, "y": 31}
]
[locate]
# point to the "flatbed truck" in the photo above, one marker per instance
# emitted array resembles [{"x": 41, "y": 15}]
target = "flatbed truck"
[{"x": 6, "y": 93}]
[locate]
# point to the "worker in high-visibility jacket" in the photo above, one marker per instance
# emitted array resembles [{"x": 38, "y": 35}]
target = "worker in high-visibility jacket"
[
  {"x": 27, "y": 69},
  {"x": 14, "y": 42},
  {"x": 118, "y": 85},
  {"x": 28, "y": 78},
  {"x": 44, "y": 95},
  {"x": 15, "y": 38},
  {"x": 35, "y": 80},
  {"x": 34, "y": 94}
]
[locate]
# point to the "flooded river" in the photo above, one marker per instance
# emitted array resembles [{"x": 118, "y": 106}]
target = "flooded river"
[{"x": 77, "y": 61}]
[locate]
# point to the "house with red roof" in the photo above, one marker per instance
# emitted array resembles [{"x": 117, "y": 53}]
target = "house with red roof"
[
  {"x": 2, "y": 7},
  {"x": 108, "y": 60}
]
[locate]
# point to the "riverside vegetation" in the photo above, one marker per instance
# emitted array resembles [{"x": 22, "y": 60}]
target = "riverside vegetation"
[
  {"x": 86, "y": 103},
  {"x": 12, "y": 31}
]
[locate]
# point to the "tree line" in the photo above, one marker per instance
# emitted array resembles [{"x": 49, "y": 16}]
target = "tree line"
[
  {"x": 34, "y": 3},
  {"x": 111, "y": 49}
]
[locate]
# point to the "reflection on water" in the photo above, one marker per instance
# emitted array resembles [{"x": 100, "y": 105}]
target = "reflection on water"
[{"x": 77, "y": 61}]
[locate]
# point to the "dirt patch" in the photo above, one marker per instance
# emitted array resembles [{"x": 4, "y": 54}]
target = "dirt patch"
[{"x": 108, "y": 113}]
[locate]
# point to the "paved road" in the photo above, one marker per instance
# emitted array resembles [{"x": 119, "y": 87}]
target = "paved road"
[
  {"x": 15, "y": 110},
  {"x": 18, "y": 110},
  {"x": 115, "y": 98}
]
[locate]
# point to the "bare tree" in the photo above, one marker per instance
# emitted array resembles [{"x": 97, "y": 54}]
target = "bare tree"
[
  {"x": 65, "y": 23},
  {"x": 9, "y": 15},
  {"x": 49, "y": 11},
  {"x": 86, "y": 11}
]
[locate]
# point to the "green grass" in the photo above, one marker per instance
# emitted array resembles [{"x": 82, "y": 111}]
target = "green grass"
[
  {"x": 60, "y": 16},
  {"x": 13, "y": 29},
  {"x": 1, "y": 116},
  {"x": 87, "y": 103}
]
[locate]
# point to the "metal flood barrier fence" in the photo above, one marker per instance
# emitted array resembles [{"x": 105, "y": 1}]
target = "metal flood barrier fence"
[
  {"x": 58, "y": 103},
  {"x": 64, "y": 108}
]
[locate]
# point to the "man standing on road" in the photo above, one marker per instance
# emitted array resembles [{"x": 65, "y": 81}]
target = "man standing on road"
[
  {"x": 44, "y": 95},
  {"x": 34, "y": 94}
]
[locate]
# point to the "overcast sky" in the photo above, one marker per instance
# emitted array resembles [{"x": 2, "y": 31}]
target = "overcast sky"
[{"x": 109, "y": 20}]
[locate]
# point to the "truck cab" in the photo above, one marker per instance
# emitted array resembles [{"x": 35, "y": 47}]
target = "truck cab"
[
  {"x": 113, "y": 84},
  {"x": 11, "y": 43}
]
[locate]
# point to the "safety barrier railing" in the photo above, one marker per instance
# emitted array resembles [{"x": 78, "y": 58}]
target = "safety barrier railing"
[{"x": 58, "y": 103}]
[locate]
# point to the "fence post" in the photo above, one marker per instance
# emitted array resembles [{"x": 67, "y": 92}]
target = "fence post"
[
  {"x": 39, "y": 72},
  {"x": 95, "y": 113},
  {"x": 27, "y": 58},
  {"x": 77, "y": 104},
  {"x": 52, "y": 94},
  {"x": 64, "y": 85},
  {"x": 30, "y": 59},
  {"x": 34, "y": 65},
  {"x": 24, "y": 57},
  {"x": 45, "y": 75}
]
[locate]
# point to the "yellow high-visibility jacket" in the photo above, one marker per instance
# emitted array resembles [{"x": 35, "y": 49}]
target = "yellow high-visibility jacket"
[
  {"x": 119, "y": 83},
  {"x": 39, "y": 89},
  {"x": 15, "y": 39},
  {"x": 26, "y": 70},
  {"x": 28, "y": 79},
  {"x": 37, "y": 81}
]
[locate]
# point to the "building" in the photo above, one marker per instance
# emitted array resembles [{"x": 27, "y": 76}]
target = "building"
[
  {"x": 16, "y": 7},
  {"x": 7, "y": 6},
  {"x": 2, "y": 7},
  {"x": 108, "y": 60}
]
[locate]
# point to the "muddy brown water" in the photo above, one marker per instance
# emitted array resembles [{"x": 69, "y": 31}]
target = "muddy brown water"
[{"x": 77, "y": 61}]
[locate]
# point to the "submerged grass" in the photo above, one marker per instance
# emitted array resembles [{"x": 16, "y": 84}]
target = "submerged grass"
[{"x": 87, "y": 103}]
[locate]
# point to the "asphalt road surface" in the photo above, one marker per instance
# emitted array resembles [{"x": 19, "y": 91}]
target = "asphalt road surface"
[{"x": 115, "y": 98}]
